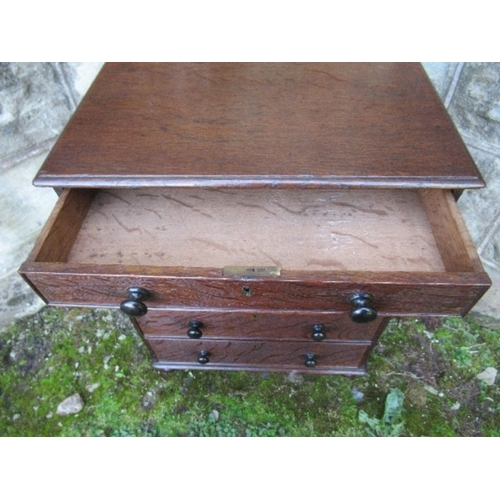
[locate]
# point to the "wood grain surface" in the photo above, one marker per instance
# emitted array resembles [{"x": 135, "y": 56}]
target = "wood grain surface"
[
  {"x": 264, "y": 355},
  {"x": 272, "y": 124},
  {"x": 396, "y": 294},
  {"x": 255, "y": 325}
]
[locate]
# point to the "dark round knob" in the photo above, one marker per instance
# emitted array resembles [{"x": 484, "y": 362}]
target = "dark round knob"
[
  {"x": 194, "y": 331},
  {"x": 310, "y": 360},
  {"x": 203, "y": 357},
  {"x": 134, "y": 305},
  {"x": 318, "y": 334},
  {"x": 362, "y": 311}
]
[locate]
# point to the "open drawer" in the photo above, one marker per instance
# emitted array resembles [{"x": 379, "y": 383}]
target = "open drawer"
[{"x": 301, "y": 249}]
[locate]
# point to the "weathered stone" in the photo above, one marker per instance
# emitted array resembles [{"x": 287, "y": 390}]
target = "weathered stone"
[
  {"x": 295, "y": 377},
  {"x": 149, "y": 400},
  {"x": 475, "y": 107},
  {"x": 492, "y": 248},
  {"x": 357, "y": 395},
  {"x": 441, "y": 75},
  {"x": 82, "y": 74},
  {"x": 479, "y": 207},
  {"x": 17, "y": 299},
  {"x": 71, "y": 405},
  {"x": 432, "y": 390},
  {"x": 33, "y": 107},
  {"x": 487, "y": 310},
  {"x": 92, "y": 387},
  {"x": 24, "y": 210},
  {"x": 488, "y": 376}
]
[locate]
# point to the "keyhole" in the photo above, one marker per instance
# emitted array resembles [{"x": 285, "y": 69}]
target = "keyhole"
[{"x": 247, "y": 291}]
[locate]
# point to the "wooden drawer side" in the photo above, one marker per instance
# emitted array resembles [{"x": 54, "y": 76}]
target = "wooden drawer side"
[
  {"x": 62, "y": 228},
  {"x": 450, "y": 233}
]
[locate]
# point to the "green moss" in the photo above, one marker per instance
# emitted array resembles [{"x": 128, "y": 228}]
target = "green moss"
[{"x": 97, "y": 354}]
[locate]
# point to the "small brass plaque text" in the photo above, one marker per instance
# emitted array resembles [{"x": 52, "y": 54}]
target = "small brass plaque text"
[{"x": 251, "y": 271}]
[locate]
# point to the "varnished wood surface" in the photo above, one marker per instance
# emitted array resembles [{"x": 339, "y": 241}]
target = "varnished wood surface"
[
  {"x": 268, "y": 355},
  {"x": 56, "y": 240},
  {"x": 455, "y": 244},
  {"x": 314, "y": 230},
  {"x": 396, "y": 294},
  {"x": 254, "y": 325},
  {"x": 310, "y": 124}
]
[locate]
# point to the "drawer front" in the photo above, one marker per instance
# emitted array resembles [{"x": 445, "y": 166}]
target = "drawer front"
[
  {"x": 309, "y": 357},
  {"x": 266, "y": 325},
  {"x": 395, "y": 294}
]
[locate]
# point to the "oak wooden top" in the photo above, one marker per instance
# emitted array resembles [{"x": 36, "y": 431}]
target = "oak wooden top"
[{"x": 256, "y": 125}]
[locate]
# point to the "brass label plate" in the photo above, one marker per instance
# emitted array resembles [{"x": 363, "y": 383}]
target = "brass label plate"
[{"x": 252, "y": 271}]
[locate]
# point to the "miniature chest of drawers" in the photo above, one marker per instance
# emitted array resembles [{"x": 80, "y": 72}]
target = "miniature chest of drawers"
[{"x": 259, "y": 216}]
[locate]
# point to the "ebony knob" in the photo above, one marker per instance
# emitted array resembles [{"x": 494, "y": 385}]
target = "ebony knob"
[
  {"x": 194, "y": 331},
  {"x": 203, "y": 357},
  {"x": 318, "y": 334},
  {"x": 362, "y": 311},
  {"x": 310, "y": 360},
  {"x": 134, "y": 305}
]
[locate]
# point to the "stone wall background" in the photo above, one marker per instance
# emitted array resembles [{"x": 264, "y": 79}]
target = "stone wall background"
[
  {"x": 471, "y": 94},
  {"x": 38, "y": 99},
  {"x": 36, "y": 102}
]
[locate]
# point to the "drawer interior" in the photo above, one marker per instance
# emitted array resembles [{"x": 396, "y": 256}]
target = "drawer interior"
[{"x": 296, "y": 230}]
